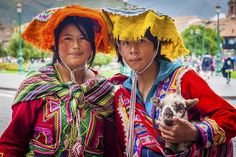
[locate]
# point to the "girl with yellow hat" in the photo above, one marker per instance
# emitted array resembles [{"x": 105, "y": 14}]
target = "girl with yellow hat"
[
  {"x": 149, "y": 43},
  {"x": 65, "y": 108}
]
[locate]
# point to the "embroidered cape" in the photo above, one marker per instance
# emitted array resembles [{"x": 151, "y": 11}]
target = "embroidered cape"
[{"x": 92, "y": 100}]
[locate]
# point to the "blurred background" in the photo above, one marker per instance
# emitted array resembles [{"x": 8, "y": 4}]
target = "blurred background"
[{"x": 207, "y": 27}]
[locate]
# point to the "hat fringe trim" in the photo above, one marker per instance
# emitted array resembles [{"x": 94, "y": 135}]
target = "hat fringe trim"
[
  {"x": 40, "y": 32},
  {"x": 133, "y": 24},
  {"x": 171, "y": 48}
]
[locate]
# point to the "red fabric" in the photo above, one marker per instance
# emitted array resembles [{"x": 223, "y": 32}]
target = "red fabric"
[
  {"x": 110, "y": 140},
  {"x": 14, "y": 141},
  {"x": 118, "y": 79},
  {"x": 210, "y": 104}
]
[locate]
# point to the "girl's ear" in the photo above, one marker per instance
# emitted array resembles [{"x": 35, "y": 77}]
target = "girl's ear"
[
  {"x": 121, "y": 53},
  {"x": 118, "y": 48}
]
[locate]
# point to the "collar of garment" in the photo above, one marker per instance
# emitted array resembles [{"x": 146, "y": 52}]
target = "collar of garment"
[
  {"x": 45, "y": 82},
  {"x": 166, "y": 68}
]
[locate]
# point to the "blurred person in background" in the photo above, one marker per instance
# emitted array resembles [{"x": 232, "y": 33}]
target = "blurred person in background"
[
  {"x": 207, "y": 66},
  {"x": 227, "y": 68}
]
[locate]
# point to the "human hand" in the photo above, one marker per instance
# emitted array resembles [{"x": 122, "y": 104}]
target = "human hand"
[{"x": 181, "y": 131}]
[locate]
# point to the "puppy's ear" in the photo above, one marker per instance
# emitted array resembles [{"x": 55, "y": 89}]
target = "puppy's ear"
[
  {"x": 191, "y": 102},
  {"x": 156, "y": 102}
]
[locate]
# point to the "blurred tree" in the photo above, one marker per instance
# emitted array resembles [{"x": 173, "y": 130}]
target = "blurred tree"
[
  {"x": 12, "y": 48},
  {"x": 102, "y": 59},
  {"x": 3, "y": 52},
  {"x": 29, "y": 51},
  {"x": 210, "y": 39}
]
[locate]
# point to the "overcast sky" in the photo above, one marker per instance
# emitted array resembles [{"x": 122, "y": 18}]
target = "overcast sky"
[{"x": 201, "y": 8}]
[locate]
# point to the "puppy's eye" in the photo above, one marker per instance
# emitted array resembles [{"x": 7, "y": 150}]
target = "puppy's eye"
[{"x": 179, "y": 107}]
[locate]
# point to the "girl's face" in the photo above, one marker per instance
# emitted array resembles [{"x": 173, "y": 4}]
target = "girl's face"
[
  {"x": 73, "y": 47},
  {"x": 137, "y": 54}
]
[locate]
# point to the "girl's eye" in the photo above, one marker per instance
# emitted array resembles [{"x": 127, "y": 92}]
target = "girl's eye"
[
  {"x": 67, "y": 38},
  {"x": 179, "y": 107},
  {"x": 125, "y": 43},
  {"x": 141, "y": 41},
  {"x": 82, "y": 37}
]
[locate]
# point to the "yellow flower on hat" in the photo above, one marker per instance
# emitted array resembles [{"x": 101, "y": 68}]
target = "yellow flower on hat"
[
  {"x": 40, "y": 32},
  {"x": 131, "y": 24}
]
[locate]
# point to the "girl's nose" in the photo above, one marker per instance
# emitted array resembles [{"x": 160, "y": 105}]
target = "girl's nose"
[
  {"x": 133, "y": 48},
  {"x": 75, "y": 44}
]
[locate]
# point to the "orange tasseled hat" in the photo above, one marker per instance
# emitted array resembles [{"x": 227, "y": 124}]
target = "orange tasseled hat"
[{"x": 40, "y": 31}]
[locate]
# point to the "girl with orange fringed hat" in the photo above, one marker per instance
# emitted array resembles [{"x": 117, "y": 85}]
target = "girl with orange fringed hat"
[
  {"x": 149, "y": 43},
  {"x": 65, "y": 108}
]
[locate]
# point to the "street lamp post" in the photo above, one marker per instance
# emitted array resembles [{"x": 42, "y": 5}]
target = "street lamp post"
[
  {"x": 192, "y": 33},
  {"x": 203, "y": 40},
  {"x": 125, "y": 3},
  {"x": 218, "y": 55},
  {"x": 20, "y": 54},
  {"x": 196, "y": 33}
]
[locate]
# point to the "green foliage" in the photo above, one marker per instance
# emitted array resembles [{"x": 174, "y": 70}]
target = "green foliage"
[
  {"x": 108, "y": 73},
  {"x": 29, "y": 51},
  {"x": 12, "y": 48},
  {"x": 233, "y": 74},
  {"x": 102, "y": 59},
  {"x": 3, "y": 53},
  {"x": 9, "y": 66},
  {"x": 209, "y": 36}
]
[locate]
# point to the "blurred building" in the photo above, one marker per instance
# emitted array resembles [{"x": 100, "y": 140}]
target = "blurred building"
[
  {"x": 5, "y": 34},
  {"x": 183, "y": 22},
  {"x": 227, "y": 28}
]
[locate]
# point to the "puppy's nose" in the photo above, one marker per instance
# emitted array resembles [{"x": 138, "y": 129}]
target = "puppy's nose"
[
  {"x": 168, "y": 116},
  {"x": 168, "y": 113}
]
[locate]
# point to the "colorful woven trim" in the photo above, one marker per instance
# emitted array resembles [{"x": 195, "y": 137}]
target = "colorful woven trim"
[
  {"x": 131, "y": 24},
  {"x": 51, "y": 112},
  {"x": 40, "y": 31},
  {"x": 217, "y": 134},
  {"x": 98, "y": 93}
]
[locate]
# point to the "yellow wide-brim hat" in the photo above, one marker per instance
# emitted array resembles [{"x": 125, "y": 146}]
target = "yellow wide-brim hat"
[
  {"x": 40, "y": 32},
  {"x": 132, "y": 23}
]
